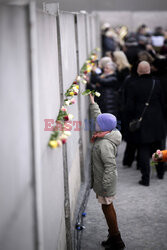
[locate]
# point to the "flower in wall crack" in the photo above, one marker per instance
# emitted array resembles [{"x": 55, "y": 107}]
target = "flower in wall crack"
[
  {"x": 53, "y": 143},
  {"x": 72, "y": 101},
  {"x": 84, "y": 81},
  {"x": 89, "y": 68},
  {"x": 66, "y": 118},
  {"x": 66, "y": 102},
  {"x": 84, "y": 77},
  {"x": 67, "y": 133},
  {"x": 59, "y": 142},
  {"x": 76, "y": 89},
  {"x": 70, "y": 117},
  {"x": 94, "y": 56},
  {"x": 78, "y": 78},
  {"x": 71, "y": 93},
  {"x": 63, "y": 109},
  {"x": 97, "y": 49},
  {"x": 63, "y": 138}
]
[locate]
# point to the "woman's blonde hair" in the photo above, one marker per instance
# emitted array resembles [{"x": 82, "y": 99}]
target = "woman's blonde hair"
[{"x": 121, "y": 60}]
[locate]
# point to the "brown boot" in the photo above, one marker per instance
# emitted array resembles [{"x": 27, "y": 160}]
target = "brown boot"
[{"x": 115, "y": 242}]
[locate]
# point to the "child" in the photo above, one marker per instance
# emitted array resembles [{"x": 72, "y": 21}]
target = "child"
[
  {"x": 160, "y": 156},
  {"x": 104, "y": 171}
]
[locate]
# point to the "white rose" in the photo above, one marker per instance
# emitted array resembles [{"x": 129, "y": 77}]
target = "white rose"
[
  {"x": 67, "y": 133},
  {"x": 84, "y": 81},
  {"x": 97, "y": 94},
  {"x": 78, "y": 78},
  {"x": 70, "y": 116},
  {"x": 67, "y": 103},
  {"x": 63, "y": 136}
]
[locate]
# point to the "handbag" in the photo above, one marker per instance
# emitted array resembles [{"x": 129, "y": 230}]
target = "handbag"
[{"x": 135, "y": 124}]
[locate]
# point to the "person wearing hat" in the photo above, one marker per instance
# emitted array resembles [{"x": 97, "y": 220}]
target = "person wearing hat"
[
  {"x": 104, "y": 170},
  {"x": 131, "y": 49}
]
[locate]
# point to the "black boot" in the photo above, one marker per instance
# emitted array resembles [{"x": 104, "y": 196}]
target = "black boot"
[
  {"x": 116, "y": 243},
  {"x": 107, "y": 243}
]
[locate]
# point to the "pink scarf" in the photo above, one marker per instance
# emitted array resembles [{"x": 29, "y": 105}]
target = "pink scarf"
[{"x": 99, "y": 135}]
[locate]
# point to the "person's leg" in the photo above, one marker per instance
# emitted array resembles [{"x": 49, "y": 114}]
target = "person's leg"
[
  {"x": 144, "y": 163},
  {"x": 114, "y": 240},
  {"x": 129, "y": 155},
  {"x": 111, "y": 218}
]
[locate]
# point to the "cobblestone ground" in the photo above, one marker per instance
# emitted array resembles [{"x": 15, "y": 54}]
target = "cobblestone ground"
[{"x": 141, "y": 212}]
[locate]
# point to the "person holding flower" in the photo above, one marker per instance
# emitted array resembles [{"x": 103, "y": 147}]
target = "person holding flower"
[
  {"x": 107, "y": 85},
  {"x": 104, "y": 170},
  {"x": 159, "y": 156}
]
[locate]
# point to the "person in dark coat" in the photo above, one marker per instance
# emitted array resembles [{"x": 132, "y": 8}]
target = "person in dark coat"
[
  {"x": 151, "y": 134},
  {"x": 131, "y": 148},
  {"x": 107, "y": 85},
  {"x": 131, "y": 50},
  {"x": 160, "y": 65},
  {"x": 108, "y": 42}
]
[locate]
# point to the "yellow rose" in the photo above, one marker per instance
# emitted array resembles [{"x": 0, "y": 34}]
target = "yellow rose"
[
  {"x": 71, "y": 93},
  {"x": 53, "y": 144}
]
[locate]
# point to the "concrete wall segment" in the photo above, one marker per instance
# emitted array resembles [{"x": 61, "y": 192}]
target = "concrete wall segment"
[
  {"x": 52, "y": 160},
  {"x": 16, "y": 195}
]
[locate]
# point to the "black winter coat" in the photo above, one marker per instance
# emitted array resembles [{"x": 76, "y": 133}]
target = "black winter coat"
[
  {"x": 108, "y": 101},
  {"x": 122, "y": 75},
  {"x": 132, "y": 54},
  {"x": 108, "y": 44},
  {"x": 152, "y": 126}
]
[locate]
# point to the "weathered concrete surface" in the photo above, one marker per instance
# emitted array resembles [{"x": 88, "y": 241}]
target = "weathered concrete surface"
[
  {"x": 133, "y": 19},
  {"x": 141, "y": 212}
]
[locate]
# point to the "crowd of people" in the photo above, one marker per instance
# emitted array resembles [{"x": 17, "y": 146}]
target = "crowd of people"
[
  {"x": 124, "y": 77},
  {"x": 132, "y": 80}
]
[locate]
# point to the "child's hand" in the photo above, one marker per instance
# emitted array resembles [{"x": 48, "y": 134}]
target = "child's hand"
[
  {"x": 157, "y": 156},
  {"x": 91, "y": 98}
]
